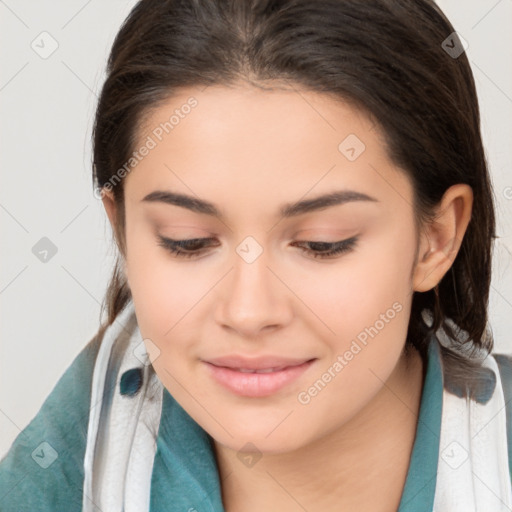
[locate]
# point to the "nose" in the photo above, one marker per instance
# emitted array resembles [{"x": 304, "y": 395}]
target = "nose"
[{"x": 254, "y": 299}]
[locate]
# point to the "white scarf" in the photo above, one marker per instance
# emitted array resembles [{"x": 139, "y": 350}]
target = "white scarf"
[
  {"x": 473, "y": 471},
  {"x": 122, "y": 432}
]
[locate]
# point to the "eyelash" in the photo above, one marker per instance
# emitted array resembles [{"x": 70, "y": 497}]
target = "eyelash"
[{"x": 179, "y": 247}]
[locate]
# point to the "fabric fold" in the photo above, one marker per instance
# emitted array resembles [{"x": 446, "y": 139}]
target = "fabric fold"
[{"x": 122, "y": 430}]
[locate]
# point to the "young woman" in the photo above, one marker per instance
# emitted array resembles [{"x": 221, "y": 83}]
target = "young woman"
[{"x": 298, "y": 317}]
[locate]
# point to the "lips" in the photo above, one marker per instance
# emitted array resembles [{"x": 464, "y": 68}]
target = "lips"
[
  {"x": 256, "y": 378},
  {"x": 265, "y": 370},
  {"x": 263, "y": 364}
]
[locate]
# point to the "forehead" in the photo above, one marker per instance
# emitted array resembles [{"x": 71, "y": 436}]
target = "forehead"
[
  {"x": 270, "y": 117},
  {"x": 261, "y": 145}
]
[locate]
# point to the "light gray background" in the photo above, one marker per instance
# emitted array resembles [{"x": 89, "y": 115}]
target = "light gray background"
[{"x": 50, "y": 310}]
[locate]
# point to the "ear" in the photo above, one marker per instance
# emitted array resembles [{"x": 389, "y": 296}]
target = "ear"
[
  {"x": 107, "y": 198},
  {"x": 110, "y": 205},
  {"x": 441, "y": 239}
]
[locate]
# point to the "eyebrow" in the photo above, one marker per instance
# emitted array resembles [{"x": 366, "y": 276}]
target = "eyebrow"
[{"x": 287, "y": 210}]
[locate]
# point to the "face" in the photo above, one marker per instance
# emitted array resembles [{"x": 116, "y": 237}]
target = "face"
[{"x": 264, "y": 278}]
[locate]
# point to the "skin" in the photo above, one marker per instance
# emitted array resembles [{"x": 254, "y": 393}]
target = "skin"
[{"x": 249, "y": 151}]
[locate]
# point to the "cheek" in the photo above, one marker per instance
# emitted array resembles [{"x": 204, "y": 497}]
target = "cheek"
[
  {"x": 161, "y": 290},
  {"x": 352, "y": 294},
  {"x": 365, "y": 305}
]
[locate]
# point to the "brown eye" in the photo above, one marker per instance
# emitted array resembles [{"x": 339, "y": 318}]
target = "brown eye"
[
  {"x": 184, "y": 248},
  {"x": 328, "y": 249}
]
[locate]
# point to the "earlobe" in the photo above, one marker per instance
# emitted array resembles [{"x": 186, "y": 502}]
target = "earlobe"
[
  {"x": 434, "y": 264},
  {"x": 441, "y": 240}
]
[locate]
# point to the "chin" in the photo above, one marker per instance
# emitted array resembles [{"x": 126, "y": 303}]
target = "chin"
[{"x": 257, "y": 441}]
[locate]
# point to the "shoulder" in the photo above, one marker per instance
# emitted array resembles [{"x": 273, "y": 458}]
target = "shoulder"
[{"x": 43, "y": 469}]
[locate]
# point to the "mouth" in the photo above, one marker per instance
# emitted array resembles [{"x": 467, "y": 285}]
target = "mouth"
[
  {"x": 263, "y": 363},
  {"x": 257, "y": 382},
  {"x": 264, "y": 370}
]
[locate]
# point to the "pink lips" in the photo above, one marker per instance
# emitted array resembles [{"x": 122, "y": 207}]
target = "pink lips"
[{"x": 273, "y": 373}]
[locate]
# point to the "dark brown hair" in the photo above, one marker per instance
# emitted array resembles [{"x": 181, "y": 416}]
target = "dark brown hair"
[{"x": 388, "y": 58}]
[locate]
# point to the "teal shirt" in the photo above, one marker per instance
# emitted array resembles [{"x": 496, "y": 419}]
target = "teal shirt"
[
  {"x": 420, "y": 485},
  {"x": 43, "y": 469}
]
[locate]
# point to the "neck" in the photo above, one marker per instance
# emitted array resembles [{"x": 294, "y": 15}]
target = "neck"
[{"x": 370, "y": 452}]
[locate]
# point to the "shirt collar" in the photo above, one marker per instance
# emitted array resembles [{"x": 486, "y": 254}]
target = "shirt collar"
[{"x": 420, "y": 484}]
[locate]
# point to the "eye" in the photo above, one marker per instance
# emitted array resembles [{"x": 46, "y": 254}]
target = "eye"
[
  {"x": 184, "y": 248},
  {"x": 328, "y": 249},
  {"x": 195, "y": 246}
]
